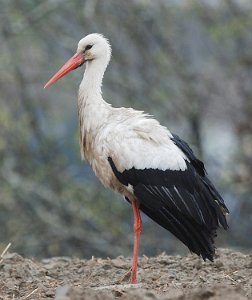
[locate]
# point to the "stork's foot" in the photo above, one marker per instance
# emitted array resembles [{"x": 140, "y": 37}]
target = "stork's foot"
[{"x": 134, "y": 279}]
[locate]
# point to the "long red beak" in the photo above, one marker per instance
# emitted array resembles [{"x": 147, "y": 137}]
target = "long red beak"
[{"x": 74, "y": 62}]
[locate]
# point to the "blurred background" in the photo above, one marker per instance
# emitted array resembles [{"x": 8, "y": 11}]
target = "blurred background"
[{"x": 189, "y": 63}]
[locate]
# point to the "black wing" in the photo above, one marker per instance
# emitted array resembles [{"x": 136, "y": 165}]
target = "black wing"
[
  {"x": 184, "y": 202},
  {"x": 200, "y": 168}
]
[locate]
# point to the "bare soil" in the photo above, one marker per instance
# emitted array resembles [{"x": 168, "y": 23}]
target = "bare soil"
[{"x": 162, "y": 277}]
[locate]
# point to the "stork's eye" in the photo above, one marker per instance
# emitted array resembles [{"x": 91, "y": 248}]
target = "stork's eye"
[{"x": 88, "y": 47}]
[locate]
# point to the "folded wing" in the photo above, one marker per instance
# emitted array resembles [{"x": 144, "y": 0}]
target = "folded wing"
[{"x": 183, "y": 201}]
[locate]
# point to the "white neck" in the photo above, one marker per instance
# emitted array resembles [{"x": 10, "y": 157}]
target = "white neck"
[
  {"x": 90, "y": 87},
  {"x": 93, "y": 110}
]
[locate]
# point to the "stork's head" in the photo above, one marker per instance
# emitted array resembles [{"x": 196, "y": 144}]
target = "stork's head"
[{"x": 92, "y": 47}]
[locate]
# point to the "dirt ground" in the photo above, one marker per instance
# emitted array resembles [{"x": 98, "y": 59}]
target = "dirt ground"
[{"x": 162, "y": 277}]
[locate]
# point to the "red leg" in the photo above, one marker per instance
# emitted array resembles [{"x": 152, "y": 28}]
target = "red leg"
[{"x": 137, "y": 231}]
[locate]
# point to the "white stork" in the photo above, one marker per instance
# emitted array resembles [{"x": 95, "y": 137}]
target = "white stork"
[{"x": 134, "y": 155}]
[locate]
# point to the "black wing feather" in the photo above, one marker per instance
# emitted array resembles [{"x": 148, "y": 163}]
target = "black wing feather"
[
  {"x": 184, "y": 202},
  {"x": 199, "y": 167},
  {"x": 182, "y": 145}
]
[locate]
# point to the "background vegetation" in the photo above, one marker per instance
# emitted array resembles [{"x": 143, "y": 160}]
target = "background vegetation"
[{"x": 189, "y": 63}]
